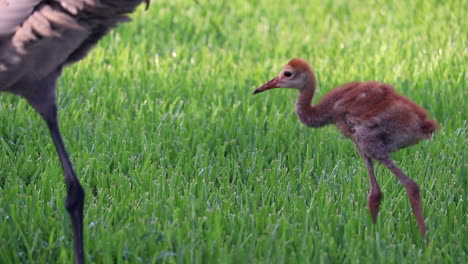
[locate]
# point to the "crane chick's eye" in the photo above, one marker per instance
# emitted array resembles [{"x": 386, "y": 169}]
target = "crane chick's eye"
[{"x": 287, "y": 73}]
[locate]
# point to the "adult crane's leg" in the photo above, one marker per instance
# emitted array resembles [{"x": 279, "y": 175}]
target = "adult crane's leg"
[
  {"x": 75, "y": 194},
  {"x": 412, "y": 189},
  {"x": 375, "y": 195},
  {"x": 42, "y": 98}
]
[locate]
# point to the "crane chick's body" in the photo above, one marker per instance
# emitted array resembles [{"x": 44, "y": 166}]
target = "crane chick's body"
[
  {"x": 373, "y": 115},
  {"x": 374, "y": 106}
]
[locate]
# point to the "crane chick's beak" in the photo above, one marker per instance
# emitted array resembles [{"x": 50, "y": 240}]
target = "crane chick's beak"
[{"x": 273, "y": 83}]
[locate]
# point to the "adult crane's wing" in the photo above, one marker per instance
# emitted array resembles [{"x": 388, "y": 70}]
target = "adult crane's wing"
[{"x": 41, "y": 36}]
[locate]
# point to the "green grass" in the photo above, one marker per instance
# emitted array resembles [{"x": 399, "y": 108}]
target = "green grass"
[{"x": 181, "y": 164}]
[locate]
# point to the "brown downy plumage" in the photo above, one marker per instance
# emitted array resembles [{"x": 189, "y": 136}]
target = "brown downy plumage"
[
  {"x": 37, "y": 39},
  {"x": 376, "y": 118}
]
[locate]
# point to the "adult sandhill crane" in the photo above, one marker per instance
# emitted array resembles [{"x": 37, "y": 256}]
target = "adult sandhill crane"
[
  {"x": 37, "y": 39},
  {"x": 373, "y": 115}
]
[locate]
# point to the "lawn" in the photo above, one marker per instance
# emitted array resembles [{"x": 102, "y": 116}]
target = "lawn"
[{"x": 182, "y": 164}]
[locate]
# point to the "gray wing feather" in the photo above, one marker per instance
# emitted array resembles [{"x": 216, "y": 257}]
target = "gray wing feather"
[
  {"x": 13, "y": 13},
  {"x": 53, "y": 33}
]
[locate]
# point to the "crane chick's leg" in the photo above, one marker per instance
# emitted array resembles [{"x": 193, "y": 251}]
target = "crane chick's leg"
[
  {"x": 412, "y": 189},
  {"x": 369, "y": 143},
  {"x": 375, "y": 195},
  {"x": 43, "y": 101}
]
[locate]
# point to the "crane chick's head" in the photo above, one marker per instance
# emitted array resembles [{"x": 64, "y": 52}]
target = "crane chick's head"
[{"x": 294, "y": 75}]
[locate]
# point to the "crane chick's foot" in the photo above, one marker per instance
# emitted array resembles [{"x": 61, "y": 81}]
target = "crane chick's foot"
[
  {"x": 373, "y": 203},
  {"x": 414, "y": 195}
]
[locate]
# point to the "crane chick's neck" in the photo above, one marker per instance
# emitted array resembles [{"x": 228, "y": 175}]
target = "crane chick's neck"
[
  {"x": 306, "y": 93},
  {"x": 304, "y": 104},
  {"x": 308, "y": 114}
]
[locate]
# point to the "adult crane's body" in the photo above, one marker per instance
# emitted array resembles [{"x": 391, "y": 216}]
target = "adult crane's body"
[
  {"x": 372, "y": 114},
  {"x": 37, "y": 39}
]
